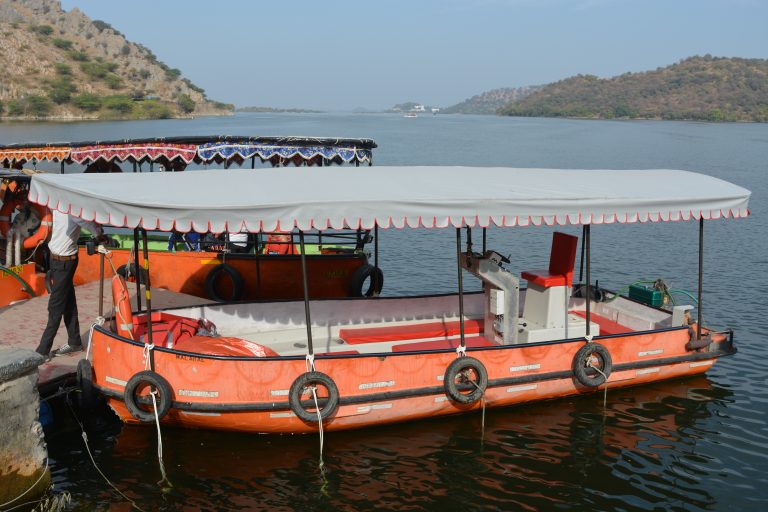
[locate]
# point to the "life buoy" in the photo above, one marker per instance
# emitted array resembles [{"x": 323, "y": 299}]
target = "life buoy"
[
  {"x": 6, "y": 211},
  {"x": 132, "y": 272},
  {"x": 157, "y": 384},
  {"x": 457, "y": 374},
  {"x": 366, "y": 273},
  {"x": 279, "y": 244},
  {"x": 84, "y": 378},
  {"x": 587, "y": 359},
  {"x": 122, "y": 302},
  {"x": 212, "y": 278},
  {"x": 43, "y": 232},
  {"x": 300, "y": 387}
]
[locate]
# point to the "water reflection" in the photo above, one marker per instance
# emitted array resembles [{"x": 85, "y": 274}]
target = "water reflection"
[{"x": 640, "y": 452}]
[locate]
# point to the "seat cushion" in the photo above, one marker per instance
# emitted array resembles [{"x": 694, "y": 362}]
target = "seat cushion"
[{"x": 385, "y": 334}]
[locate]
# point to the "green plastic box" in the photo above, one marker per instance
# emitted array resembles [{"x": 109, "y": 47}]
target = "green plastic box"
[{"x": 646, "y": 295}]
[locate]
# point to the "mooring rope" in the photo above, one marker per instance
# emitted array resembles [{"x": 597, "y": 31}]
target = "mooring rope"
[
  {"x": 3, "y": 505},
  {"x": 93, "y": 461},
  {"x": 159, "y": 442}
]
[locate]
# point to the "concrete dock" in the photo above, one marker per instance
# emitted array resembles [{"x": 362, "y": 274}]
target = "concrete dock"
[{"x": 22, "y": 325}]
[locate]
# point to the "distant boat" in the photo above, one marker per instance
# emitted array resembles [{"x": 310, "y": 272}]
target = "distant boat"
[{"x": 410, "y": 114}]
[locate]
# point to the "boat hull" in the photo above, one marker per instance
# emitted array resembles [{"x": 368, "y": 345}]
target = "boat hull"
[{"x": 251, "y": 394}]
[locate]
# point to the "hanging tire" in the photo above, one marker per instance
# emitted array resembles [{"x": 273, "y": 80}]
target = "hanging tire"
[
  {"x": 592, "y": 354},
  {"x": 366, "y": 273},
  {"x": 301, "y": 385},
  {"x": 212, "y": 279},
  {"x": 131, "y": 273},
  {"x": 84, "y": 378},
  {"x": 131, "y": 397},
  {"x": 457, "y": 374}
]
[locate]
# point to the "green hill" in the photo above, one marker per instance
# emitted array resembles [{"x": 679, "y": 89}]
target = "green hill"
[
  {"x": 698, "y": 88},
  {"x": 64, "y": 65},
  {"x": 490, "y": 101}
]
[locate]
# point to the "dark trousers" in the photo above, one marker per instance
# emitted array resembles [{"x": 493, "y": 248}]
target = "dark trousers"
[{"x": 61, "y": 303}]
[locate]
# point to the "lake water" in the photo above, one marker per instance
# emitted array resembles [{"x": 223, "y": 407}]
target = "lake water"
[{"x": 696, "y": 444}]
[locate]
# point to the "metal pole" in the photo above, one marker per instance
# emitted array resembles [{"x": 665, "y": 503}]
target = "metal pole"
[
  {"x": 134, "y": 166},
  {"x": 376, "y": 245},
  {"x": 587, "y": 235},
  {"x": 306, "y": 293},
  {"x": 461, "y": 286},
  {"x": 701, "y": 276},
  {"x": 485, "y": 244},
  {"x": 101, "y": 284},
  {"x": 581, "y": 261},
  {"x": 136, "y": 264},
  {"x": 62, "y": 172},
  {"x": 145, "y": 258},
  {"x": 253, "y": 162}
]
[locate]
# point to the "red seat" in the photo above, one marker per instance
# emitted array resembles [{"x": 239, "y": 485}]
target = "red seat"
[
  {"x": 561, "y": 261},
  {"x": 472, "y": 342},
  {"x": 359, "y": 335},
  {"x": 179, "y": 327},
  {"x": 606, "y": 326}
]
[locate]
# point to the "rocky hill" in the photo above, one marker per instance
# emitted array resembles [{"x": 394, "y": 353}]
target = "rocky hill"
[
  {"x": 63, "y": 65},
  {"x": 698, "y": 88},
  {"x": 490, "y": 101}
]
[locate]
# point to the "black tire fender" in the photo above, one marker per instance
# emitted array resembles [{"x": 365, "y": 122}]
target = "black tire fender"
[
  {"x": 298, "y": 388},
  {"x": 84, "y": 378},
  {"x": 164, "y": 396},
  {"x": 359, "y": 277},
  {"x": 457, "y": 370},
  {"x": 238, "y": 285},
  {"x": 134, "y": 272},
  {"x": 585, "y": 357}
]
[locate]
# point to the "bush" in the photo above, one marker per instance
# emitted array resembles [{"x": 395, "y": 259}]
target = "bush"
[
  {"x": 1, "y": 107},
  {"x": 113, "y": 81},
  {"x": 38, "y": 106},
  {"x": 101, "y": 25},
  {"x": 126, "y": 49},
  {"x": 62, "y": 43},
  {"x": 87, "y": 102},
  {"x": 153, "y": 109},
  {"x": 62, "y": 69},
  {"x": 78, "y": 56},
  {"x": 145, "y": 73},
  {"x": 118, "y": 103},
  {"x": 172, "y": 74},
  {"x": 61, "y": 90},
  {"x": 43, "y": 30},
  {"x": 186, "y": 104},
  {"x": 98, "y": 69}
]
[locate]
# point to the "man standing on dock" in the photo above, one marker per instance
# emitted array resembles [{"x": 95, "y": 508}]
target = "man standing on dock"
[{"x": 62, "y": 301}]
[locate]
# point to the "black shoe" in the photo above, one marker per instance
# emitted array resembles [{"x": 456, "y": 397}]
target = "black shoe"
[{"x": 68, "y": 349}]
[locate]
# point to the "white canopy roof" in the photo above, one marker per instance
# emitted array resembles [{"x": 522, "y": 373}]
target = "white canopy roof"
[{"x": 339, "y": 197}]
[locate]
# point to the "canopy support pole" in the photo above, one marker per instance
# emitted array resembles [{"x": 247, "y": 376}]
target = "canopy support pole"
[
  {"x": 376, "y": 245},
  {"x": 136, "y": 264},
  {"x": 587, "y": 239},
  {"x": 701, "y": 277},
  {"x": 145, "y": 262},
  {"x": 253, "y": 162},
  {"x": 485, "y": 240},
  {"x": 61, "y": 171},
  {"x": 461, "y": 287},
  {"x": 581, "y": 260},
  {"x": 101, "y": 284},
  {"x": 134, "y": 166},
  {"x": 307, "y": 317}
]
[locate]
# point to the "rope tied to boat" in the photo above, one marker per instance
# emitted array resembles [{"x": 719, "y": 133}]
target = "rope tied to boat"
[
  {"x": 99, "y": 321},
  {"x": 461, "y": 351},
  {"x": 310, "y": 360},
  {"x": 147, "y": 349},
  {"x": 164, "y": 479},
  {"x": 605, "y": 389}
]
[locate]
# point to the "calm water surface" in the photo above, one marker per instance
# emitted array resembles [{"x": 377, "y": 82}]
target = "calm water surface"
[{"x": 696, "y": 444}]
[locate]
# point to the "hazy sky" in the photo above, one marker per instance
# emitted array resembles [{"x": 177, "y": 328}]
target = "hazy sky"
[{"x": 342, "y": 54}]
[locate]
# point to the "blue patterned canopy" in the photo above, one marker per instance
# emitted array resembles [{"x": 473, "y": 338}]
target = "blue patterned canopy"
[{"x": 225, "y": 150}]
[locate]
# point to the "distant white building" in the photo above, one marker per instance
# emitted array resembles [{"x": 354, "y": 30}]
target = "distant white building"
[{"x": 419, "y": 108}]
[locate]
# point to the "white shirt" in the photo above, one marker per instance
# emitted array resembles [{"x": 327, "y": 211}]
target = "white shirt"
[
  {"x": 238, "y": 239},
  {"x": 66, "y": 231}
]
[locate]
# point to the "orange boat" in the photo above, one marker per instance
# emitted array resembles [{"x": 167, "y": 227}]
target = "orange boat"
[
  {"x": 291, "y": 366},
  {"x": 337, "y": 264}
]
